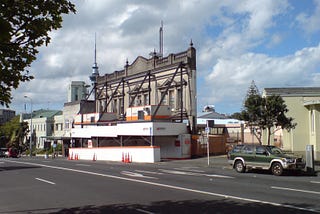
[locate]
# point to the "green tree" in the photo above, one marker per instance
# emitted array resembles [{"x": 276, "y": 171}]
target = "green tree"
[
  {"x": 265, "y": 112},
  {"x": 251, "y": 112},
  {"x": 24, "y": 27},
  {"x": 236, "y": 115},
  {"x": 273, "y": 114},
  {"x": 13, "y": 133}
]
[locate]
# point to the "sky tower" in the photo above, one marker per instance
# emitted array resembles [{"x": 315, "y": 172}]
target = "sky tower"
[{"x": 95, "y": 68}]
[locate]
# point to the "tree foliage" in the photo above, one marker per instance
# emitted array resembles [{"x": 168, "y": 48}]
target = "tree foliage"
[
  {"x": 25, "y": 26},
  {"x": 273, "y": 114},
  {"x": 13, "y": 132},
  {"x": 252, "y": 105},
  {"x": 265, "y": 112}
]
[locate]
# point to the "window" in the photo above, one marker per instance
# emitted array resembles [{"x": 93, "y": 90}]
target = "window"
[
  {"x": 248, "y": 150},
  {"x": 120, "y": 107},
  {"x": 217, "y": 131},
  {"x": 312, "y": 117},
  {"x": 171, "y": 99},
  {"x": 146, "y": 99},
  {"x": 132, "y": 100},
  {"x": 260, "y": 150},
  {"x": 138, "y": 101},
  {"x": 66, "y": 124},
  {"x": 114, "y": 107},
  {"x": 179, "y": 99},
  {"x": 164, "y": 101}
]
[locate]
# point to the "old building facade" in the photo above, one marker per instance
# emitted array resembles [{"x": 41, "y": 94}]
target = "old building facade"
[{"x": 155, "y": 81}]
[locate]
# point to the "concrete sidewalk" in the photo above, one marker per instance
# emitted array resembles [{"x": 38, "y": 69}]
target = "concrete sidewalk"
[{"x": 214, "y": 162}]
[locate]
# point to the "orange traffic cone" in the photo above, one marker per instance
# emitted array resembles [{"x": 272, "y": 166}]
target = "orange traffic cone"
[
  {"x": 122, "y": 157},
  {"x": 128, "y": 158}
]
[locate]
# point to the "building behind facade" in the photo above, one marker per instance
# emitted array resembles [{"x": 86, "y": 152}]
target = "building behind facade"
[
  {"x": 303, "y": 104},
  {"x": 6, "y": 115},
  {"x": 77, "y": 91}
]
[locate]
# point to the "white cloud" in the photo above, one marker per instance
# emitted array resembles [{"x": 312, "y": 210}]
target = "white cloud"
[
  {"x": 225, "y": 33},
  {"x": 310, "y": 23},
  {"x": 230, "y": 77},
  {"x": 247, "y": 26}
]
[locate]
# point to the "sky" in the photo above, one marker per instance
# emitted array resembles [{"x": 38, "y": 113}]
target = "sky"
[{"x": 275, "y": 43}]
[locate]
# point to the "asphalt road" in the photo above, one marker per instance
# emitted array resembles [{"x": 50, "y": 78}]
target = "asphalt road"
[{"x": 38, "y": 185}]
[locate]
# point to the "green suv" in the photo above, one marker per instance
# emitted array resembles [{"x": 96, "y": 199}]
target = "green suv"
[{"x": 243, "y": 157}]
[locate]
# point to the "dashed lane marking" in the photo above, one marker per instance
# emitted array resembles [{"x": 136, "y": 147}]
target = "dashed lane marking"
[
  {"x": 144, "y": 211},
  {"x": 45, "y": 181},
  {"x": 171, "y": 186}
]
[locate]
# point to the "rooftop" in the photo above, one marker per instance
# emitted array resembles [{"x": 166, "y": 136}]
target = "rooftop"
[{"x": 293, "y": 91}]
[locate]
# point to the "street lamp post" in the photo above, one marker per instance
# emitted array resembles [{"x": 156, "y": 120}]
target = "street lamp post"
[{"x": 31, "y": 129}]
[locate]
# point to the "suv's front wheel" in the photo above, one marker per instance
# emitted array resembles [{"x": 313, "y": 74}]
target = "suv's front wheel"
[
  {"x": 239, "y": 166},
  {"x": 277, "y": 169}
]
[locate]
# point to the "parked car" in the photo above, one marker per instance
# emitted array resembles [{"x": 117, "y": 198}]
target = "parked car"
[
  {"x": 12, "y": 153},
  {"x": 245, "y": 157},
  {"x": 3, "y": 152}
]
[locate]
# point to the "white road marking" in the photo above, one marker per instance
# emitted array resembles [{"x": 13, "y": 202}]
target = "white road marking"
[
  {"x": 149, "y": 172},
  {"x": 176, "y": 172},
  {"x": 191, "y": 169},
  {"x": 296, "y": 190},
  {"x": 171, "y": 187},
  {"x": 133, "y": 174},
  {"x": 315, "y": 182},
  {"x": 80, "y": 164},
  {"x": 46, "y": 181},
  {"x": 1, "y": 162},
  {"x": 144, "y": 211},
  {"x": 193, "y": 173}
]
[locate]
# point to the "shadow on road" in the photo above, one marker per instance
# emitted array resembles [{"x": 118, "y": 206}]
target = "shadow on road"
[
  {"x": 189, "y": 206},
  {"x": 9, "y": 168},
  {"x": 285, "y": 173}
]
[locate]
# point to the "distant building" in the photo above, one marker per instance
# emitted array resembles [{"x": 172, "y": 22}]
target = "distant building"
[
  {"x": 6, "y": 115},
  {"x": 77, "y": 91},
  {"x": 70, "y": 111},
  {"x": 43, "y": 125},
  {"x": 209, "y": 108},
  {"x": 303, "y": 104}
]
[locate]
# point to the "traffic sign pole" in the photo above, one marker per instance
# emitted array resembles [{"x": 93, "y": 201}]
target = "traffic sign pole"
[{"x": 208, "y": 149}]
